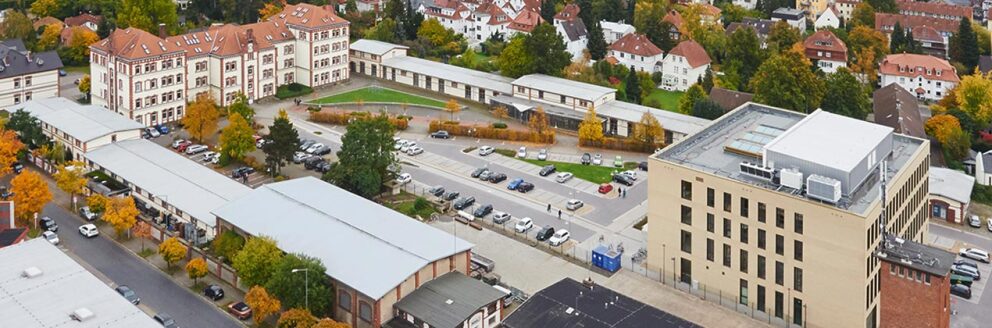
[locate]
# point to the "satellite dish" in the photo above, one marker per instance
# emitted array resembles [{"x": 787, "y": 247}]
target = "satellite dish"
[{"x": 40, "y": 62}]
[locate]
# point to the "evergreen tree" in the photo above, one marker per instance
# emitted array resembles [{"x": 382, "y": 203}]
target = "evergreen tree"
[
  {"x": 707, "y": 81},
  {"x": 351, "y": 7},
  {"x": 395, "y": 10},
  {"x": 884, "y": 6},
  {"x": 629, "y": 14},
  {"x": 412, "y": 21},
  {"x": 964, "y": 45},
  {"x": 633, "y": 87},
  {"x": 898, "y": 39},
  {"x": 585, "y": 11},
  {"x": 548, "y": 11},
  {"x": 597, "y": 44},
  {"x": 548, "y": 49}
]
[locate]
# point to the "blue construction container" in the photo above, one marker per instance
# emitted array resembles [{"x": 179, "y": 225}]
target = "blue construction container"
[{"x": 606, "y": 258}]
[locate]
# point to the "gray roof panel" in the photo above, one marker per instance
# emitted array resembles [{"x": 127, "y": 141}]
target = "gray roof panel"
[
  {"x": 13, "y": 58},
  {"x": 951, "y": 184},
  {"x": 454, "y": 73},
  {"x": 673, "y": 121},
  {"x": 83, "y": 122},
  {"x": 466, "y": 295},
  {"x": 562, "y": 86},
  {"x": 375, "y": 47}
]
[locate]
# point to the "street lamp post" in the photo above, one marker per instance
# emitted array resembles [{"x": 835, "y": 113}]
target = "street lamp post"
[{"x": 306, "y": 286}]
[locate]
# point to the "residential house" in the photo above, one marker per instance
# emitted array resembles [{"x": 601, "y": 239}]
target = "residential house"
[
  {"x": 898, "y": 109},
  {"x": 729, "y": 99},
  {"x": 678, "y": 24},
  {"x": 812, "y": 8},
  {"x": 684, "y": 65},
  {"x": 927, "y": 77},
  {"x": 950, "y": 194},
  {"x": 826, "y": 51},
  {"x": 452, "y": 300},
  {"x": 525, "y": 22},
  {"x": 933, "y": 34},
  {"x": 614, "y": 31},
  {"x": 795, "y": 17},
  {"x": 761, "y": 28},
  {"x": 710, "y": 14},
  {"x": 845, "y": 8},
  {"x": 80, "y": 128},
  {"x": 87, "y": 20},
  {"x": 25, "y": 75},
  {"x": 934, "y": 9},
  {"x": 46, "y": 21},
  {"x": 453, "y": 14},
  {"x": 827, "y": 19},
  {"x": 746, "y": 4},
  {"x": 931, "y": 41},
  {"x": 150, "y": 78},
  {"x": 487, "y": 20},
  {"x": 572, "y": 30},
  {"x": 636, "y": 51}
]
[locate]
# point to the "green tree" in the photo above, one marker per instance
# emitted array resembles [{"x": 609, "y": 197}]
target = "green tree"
[
  {"x": 897, "y": 39},
  {"x": 290, "y": 286},
  {"x": 964, "y": 45},
  {"x": 745, "y": 48},
  {"x": 545, "y": 43},
  {"x": 240, "y": 106},
  {"x": 257, "y": 260},
  {"x": 863, "y": 15},
  {"x": 782, "y": 36},
  {"x": 284, "y": 140},
  {"x": 42, "y": 8},
  {"x": 365, "y": 157},
  {"x": 846, "y": 95},
  {"x": 694, "y": 94},
  {"x": 733, "y": 13},
  {"x": 707, "y": 109},
  {"x": 28, "y": 129},
  {"x": 148, "y": 14},
  {"x": 548, "y": 10},
  {"x": 227, "y": 244},
  {"x": 632, "y": 87},
  {"x": 597, "y": 44},
  {"x": 394, "y": 9},
  {"x": 885, "y": 6},
  {"x": 17, "y": 26},
  {"x": 384, "y": 30},
  {"x": 707, "y": 81},
  {"x": 515, "y": 61},
  {"x": 245, "y": 11},
  {"x": 351, "y": 7},
  {"x": 785, "y": 80},
  {"x": 237, "y": 139},
  {"x": 412, "y": 21},
  {"x": 647, "y": 85}
]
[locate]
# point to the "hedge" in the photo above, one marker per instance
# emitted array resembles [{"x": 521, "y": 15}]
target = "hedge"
[
  {"x": 489, "y": 132},
  {"x": 292, "y": 90},
  {"x": 621, "y": 144},
  {"x": 342, "y": 118}
]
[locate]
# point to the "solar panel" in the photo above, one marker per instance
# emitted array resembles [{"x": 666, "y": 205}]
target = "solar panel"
[{"x": 767, "y": 130}]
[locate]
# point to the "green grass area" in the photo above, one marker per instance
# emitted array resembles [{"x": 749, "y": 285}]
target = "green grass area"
[
  {"x": 591, "y": 173},
  {"x": 669, "y": 100},
  {"x": 77, "y": 69},
  {"x": 379, "y": 95},
  {"x": 412, "y": 209},
  {"x": 292, "y": 90}
]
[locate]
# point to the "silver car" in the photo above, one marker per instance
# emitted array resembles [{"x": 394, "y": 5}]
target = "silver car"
[
  {"x": 542, "y": 155},
  {"x": 564, "y": 177}
]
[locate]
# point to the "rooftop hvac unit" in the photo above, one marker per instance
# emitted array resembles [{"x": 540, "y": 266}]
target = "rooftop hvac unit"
[
  {"x": 757, "y": 170},
  {"x": 31, "y": 272},
  {"x": 823, "y": 188},
  {"x": 791, "y": 178},
  {"x": 81, "y": 314}
]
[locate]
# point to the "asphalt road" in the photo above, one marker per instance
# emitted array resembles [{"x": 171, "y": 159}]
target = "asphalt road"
[
  {"x": 968, "y": 314},
  {"x": 156, "y": 290}
]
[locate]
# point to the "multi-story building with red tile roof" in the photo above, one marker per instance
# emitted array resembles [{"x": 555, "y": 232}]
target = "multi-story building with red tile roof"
[
  {"x": 925, "y": 76},
  {"x": 636, "y": 50},
  {"x": 934, "y": 9},
  {"x": 684, "y": 65},
  {"x": 932, "y": 33},
  {"x": 826, "y": 50}
]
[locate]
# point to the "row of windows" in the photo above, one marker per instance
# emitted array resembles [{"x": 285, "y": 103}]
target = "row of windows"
[
  {"x": 743, "y": 262},
  {"x": 154, "y": 100},
  {"x": 744, "y": 206},
  {"x": 155, "y": 83},
  {"x": 912, "y": 275},
  {"x": 744, "y": 233},
  {"x": 798, "y": 309},
  {"x": 17, "y": 82}
]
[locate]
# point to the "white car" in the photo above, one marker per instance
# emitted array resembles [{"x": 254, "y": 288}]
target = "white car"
[
  {"x": 486, "y": 150},
  {"x": 542, "y": 155},
  {"x": 560, "y": 237},
  {"x": 51, "y": 237},
  {"x": 522, "y": 152},
  {"x": 408, "y": 145},
  {"x": 975, "y": 254},
  {"x": 399, "y": 144},
  {"x": 177, "y": 142},
  {"x": 404, "y": 178},
  {"x": 209, "y": 156},
  {"x": 313, "y": 148},
  {"x": 415, "y": 150},
  {"x": 631, "y": 174},
  {"x": 88, "y": 230},
  {"x": 299, "y": 156},
  {"x": 261, "y": 142},
  {"x": 574, "y": 204},
  {"x": 501, "y": 217},
  {"x": 990, "y": 224},
  {"x": 597, "y": 160},
  {"x": 523, "y": 225},
  {"x": 564, "y": 177},
  {"x": 196, "y": 149}
]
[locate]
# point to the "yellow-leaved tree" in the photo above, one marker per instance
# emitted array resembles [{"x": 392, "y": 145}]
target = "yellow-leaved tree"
[
  {"x": 591, "y": 129},
  {"x": 142, "y": 230},
  {"x": 9, "y": 146},
  {"x": 201, "y": 118},
  {"x": 269, "y": 9},
  {"x": 452, "y": 107},
  {"x": 121, "y": 213},
  {"x": 974, "y": 97},
  {"x": 30, "y": 194},
  {"x": 196, "y": 269},
  {"x": 97, "y": 203},
  {"x": 330, "y": 323},
  {"x": 237, "y": 139},
  {"x": 171, "y": 251},
  {"x": 649, "y": 131},
  {"x": 50, "y": 38},
  {"x": 262, "y": 304},
  {"x": 71, "y": 178},
  {"x": 296, "y": 318}
]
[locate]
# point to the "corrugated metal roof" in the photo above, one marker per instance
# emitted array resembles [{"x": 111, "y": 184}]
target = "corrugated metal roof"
[
  {"x": 951, "y": 184},
  {"x": 629, "y": 112},
  {"x": 81, "y": 122},
  {"x": 363, "y": 244},
  {"x": 454, "y": 73},
  {"x": 562, "y": 86},
  {"x": 816, "y": 139}
]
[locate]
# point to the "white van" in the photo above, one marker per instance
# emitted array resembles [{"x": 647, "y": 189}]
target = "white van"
[
  {"x": 466, "y": 215},
  {"x": 508, "y": 299}
]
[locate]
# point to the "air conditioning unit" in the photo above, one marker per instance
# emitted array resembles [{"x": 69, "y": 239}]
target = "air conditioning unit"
[
  {"x": 791, "y": 178},
  {"x": 823, "y": 188},
  {"x": 757, "y": 170}
]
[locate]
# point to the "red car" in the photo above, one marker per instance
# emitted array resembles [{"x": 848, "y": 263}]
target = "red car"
[
  {"x": 605, "y": 188},
  {"x": 183, "y": 145},
  {"x": 240, "y": 310}
]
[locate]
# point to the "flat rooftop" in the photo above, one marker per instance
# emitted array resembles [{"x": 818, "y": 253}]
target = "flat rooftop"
[
  {"x": 707, "y": 151},
  {"x": 914, "y": 255},
  {"x": 451, "y": 73},
  {"x": 61, "y": 287},
  {"x": 83, "y": 122}
]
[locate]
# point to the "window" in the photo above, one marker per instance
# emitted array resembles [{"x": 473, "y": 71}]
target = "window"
[
  {"x": 686, "y": 241},
  {"x": 230, "y": 66},
  {"x": 561, "y": 99},
  {"x": 779, "y": 273},
  {"x": 761, "y": 238},
  {"x": 710, "y": 196},
  {"x": 267, "y": 59},
  {"x": 797, "y": 311},
  {"x": 709, "y": 249},
  {"x": 686, "y": 215},
  {"x": 344, "y": 300},
  {"x": 761, "y": 212},
  {"x": 744, "y": 207},
  {"x": 709, "y": 222},
  {"x": 686, "y": 190},
  {"x": 761, "y": 299},
  {"x": 761, "y": 267},
  {"x": 17, "y": 99},
  {"x": 798, "y": 223},
  {"x": 726, "y": 255},
  {"x": 743, "y": 292},
  {"x": 287, "y": 63},
  {"x": 137, "y": 103},
  {"x": 743, "y": 261},
  {"x": 17, "y": 83},
  {"x": 726, "y": 227},
  {"x": 726, "y": 202},
  {"x": 797, "y": 250},
  {"x": 27, "y": 81},
  {"x": 778, "y": 304},
  {"x": 797, "y": 279},
  {"x": 743, "y": 233},
  {"x": 780, "y": 218},
  {"x": 779, "y": 245},
  {"x": 365, "y": 311}
]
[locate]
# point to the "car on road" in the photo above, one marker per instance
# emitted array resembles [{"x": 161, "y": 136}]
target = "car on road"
[
  {"x": 87, "y": 214},
  {"x": 486, "y": 150},
  {"x": 437, "y": 191},
  {"x": 48, "y": 224},
  {"x": 213, "y": 292},
  {"x": 165, "y": 320},
  {"x": 605, "y": 188},
  {"x": 483, "y": 210},
  {"x": 128, "y": 294},
  {"x": 525, "y": 187},
  {"x": 547, "y": 170},
  {"x": 152, "y": 132},
  {"x": 974, "y": 221},
  {"x": 414, "y": 151},
  {"x": 623, "y": 179},
  {"x": 175, "y": 143},
  {"x": 618, "y": 161},
  {"x": 404, "y": 178},
  {"x": 631, "y": 174},
  {"x": 586, "y": 159},
  {"x": 564, "y": 177},
  {"x": 560, "y": 237},
  {"x": 643, "y": 166},
  {"x": 522, "y": 152},
  {"x": 542, "y": 155},
  {"x": 51, "y": 237},
  {"x": 196, "y": 149},
  {"x": 479, "y": 171},
  {"x": 464, "y": 202},
  {"x": 497, "y": 177},
  {"x": 545, "y": 233},
  {"x": 451, "y": 195},
  {"x": 975, "y": 254},
  {"x": 239, "y": 310},
  {"x": 299, "y": 156},
  {"x": 514, "y": 183},
  {"x": 597, "y": 160},
  {"x": 89, "y": 230},
  {"x": 501, "y": 217},
  {"x": 523, "y": 225},
  {"x": 162, "y": 129},
  {"x": 574, "y": 204},
  {"x": 440, "y": 134},
  {"x": 961, "y": 291}
]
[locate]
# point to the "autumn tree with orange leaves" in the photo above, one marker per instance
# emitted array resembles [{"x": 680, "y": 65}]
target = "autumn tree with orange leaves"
[
  {"x": 9, "y": 147},
  {"x": 30, "y": 194}
]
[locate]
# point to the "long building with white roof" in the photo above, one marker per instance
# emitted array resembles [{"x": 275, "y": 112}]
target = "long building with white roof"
[{"x": 80, "y": 128}]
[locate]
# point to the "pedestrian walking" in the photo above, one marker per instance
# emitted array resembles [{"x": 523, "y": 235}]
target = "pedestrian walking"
[
  {"x": 549, "y": 207},
  {"x": 619, "y": 192},
  {"x": 559, "y": 214}
]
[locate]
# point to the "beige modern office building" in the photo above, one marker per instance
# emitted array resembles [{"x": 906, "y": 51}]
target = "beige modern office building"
[{"x": 781, "y": 211}]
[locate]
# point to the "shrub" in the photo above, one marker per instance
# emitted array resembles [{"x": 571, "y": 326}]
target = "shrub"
[
  {"x": 499, "y": 125},
  {"x": 421, "y": 204},
  {"x": 292, "y": 90},
  {"x": 254, "y": 163},
  {"x": 489, "y": 132},
  {"x": 313, "y": 109},
  {"x": 343, "y": 118},
  {"x": 621, "y": 144}
]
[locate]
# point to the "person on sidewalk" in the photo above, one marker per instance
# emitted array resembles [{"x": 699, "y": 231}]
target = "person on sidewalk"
[
  {"x": 559, "y": 214},
  {"x": 549, "y": 207},
  {"x": 619, "y": 192}
]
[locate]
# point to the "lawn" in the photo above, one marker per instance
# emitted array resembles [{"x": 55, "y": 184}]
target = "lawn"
[
  {"x": 410, "y": 208},
  {"x": 379, "y": 95},
  {"x": 591, "y": 173},
  {"x": 80, "y": 69},
  {"x": 669, "y": 100}
]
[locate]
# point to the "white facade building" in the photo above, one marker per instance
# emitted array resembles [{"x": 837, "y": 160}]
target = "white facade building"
[
  {"x": 25, "y": 76},
  {"x": 684, "y": 65},
  {"x": 827, "y": 19},
  {"x": 572, "y": 30},
  {"x": 80, "y": 128},
  {"x": 635, "y": 50},
  {"x": 925, "y": 76},
  {"x": 614, "y": 31}
]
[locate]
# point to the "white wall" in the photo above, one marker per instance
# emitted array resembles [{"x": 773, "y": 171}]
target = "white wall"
[
  {"x": 935, "y": 90},
  {"x": 43, "y": 85},
  {"x": 641, "y": 63}
]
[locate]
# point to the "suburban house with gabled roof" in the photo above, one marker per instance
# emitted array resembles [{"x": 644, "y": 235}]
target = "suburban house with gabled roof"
[
  {"x": 525, "y": 22},
  {"x": 636, "y": 50},
  {"x": 87, "y": 20},
  {"x": 572, "y": 30},
  {"x": 684, "y": 65},
  {"x": 826, "y": 51},
  {"x": 827, "y": 19},
  {"x": 931, "y": 41},
  {"x": 925, "y": 76},
  {"x": 678, "y": 24},
  {"x": 25, "y": 75},
  {"x": 932, "y": 33}
]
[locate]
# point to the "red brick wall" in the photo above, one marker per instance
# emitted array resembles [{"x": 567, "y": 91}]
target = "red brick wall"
[{"x": 907, "y": 302}]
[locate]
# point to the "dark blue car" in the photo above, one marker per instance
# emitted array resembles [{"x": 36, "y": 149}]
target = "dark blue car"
[
  {"x": 514, "y": 184},
  {"x": 162, "y": 129}
]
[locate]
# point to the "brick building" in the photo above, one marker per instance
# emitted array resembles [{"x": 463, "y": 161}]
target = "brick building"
[
  {"x": 826, "y": 50},
  {"x": 915, "y": 284}
]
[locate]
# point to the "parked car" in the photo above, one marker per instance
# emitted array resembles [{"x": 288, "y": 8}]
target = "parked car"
[
  {"x": 485, "y": 175},
  {"x": 128, "y": 294},
  {"x": 166, "y": 320},
  {"x": 175, "y": 143},
  {"x": 630, "y": 174},
  {"x": 547, "y": 170},
  {"x": 623, "y": 179},
  {"x": 989, "y": 224},
  {"x": 522, "y": 152},
  {"x": 483, "y": 210},
  {"x": 404, "y": 178},
  {"x": 975, "y": 254},
  {"x": 17, "y": 167},
  {"x": 643, "y": 166},
  {"x": 5, "y": 193},
  {"x": 209, "y": 155},
  {"x": 437, "y": 191},
  {"x": 304, "y": 144},
  {"x": 87, "y": 214},
  {"x": 574, "y": 204},
  {"x": 152, "y": 132},
  {"x": 464, "y": 202},
  {"x": 523, "y": 225},
  {"x": 213, "y": 292},
  {"x": 964, "y": 262},
  {"x": 560, "y": 237},
  {"x": 966, "y": 271},
  {"x": 323, "y": 167},
  {"x": 486, "y": 150},
  {"x": 974, "y": 221},
  {"x": 242, "y": 171},
  {"x": 542, "y": 155},
  {"x": 145, "y": 135},
  {"x": 961, "y": 291},
  {"x": 183, "y": 145},
  {"x": 959, "y": 279},
  {"x": 299, "y": 156},
  {"x": 440, "y": 134},
  {"x": 311, "y": 162},
  {"x": 239, "y": 310},
  {"x": 497, "y": 178},
  {"x": 62, "y": 72},
  {"x": 564, "y": 177},
  {"x": 525, "y": 187},
  {"x": 586, "y": 159},
  {"x": 605, "y": 188},
  {"x": 414, "y": 151},
  {"x": 545, "y": 233},
  {"x": 618, "y": 161},
  {"x": 407, "y": 146},
  {"x": 89, "y": 230},
  {"x": 314, "y": 147},
  {"x": 162, "y": 129},
  {"x": 479, "y": 171},
  {"x": 399, "y": 144},
  {"x": 51, "y": 237},
  {"x": 597, "y": 160},
  {"x": 324, "y": 150},
  {"x": 501, "y": 217},
  {"x": 48, "y": 224},
  {"x": 514, "y": 183},
  {"x": 195, "y": 149},
  {"x": 262, "y": 142}
]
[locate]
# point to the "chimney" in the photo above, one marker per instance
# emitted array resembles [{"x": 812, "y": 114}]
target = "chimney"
[
  {"x": 161, "y": 30},
  {"x": 28, "y": 55}
]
